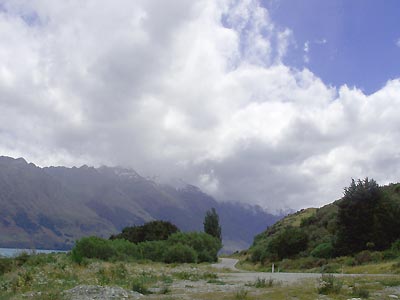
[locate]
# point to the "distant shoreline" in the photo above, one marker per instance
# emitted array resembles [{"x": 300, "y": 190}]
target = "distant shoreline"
[{"x": 10, "y": 252}]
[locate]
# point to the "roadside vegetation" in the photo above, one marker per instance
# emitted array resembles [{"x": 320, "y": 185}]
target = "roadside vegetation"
[{"x": 54, "y": 276}]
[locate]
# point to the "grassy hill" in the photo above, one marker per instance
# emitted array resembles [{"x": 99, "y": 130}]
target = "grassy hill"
[{"x": 313, "y": 233}]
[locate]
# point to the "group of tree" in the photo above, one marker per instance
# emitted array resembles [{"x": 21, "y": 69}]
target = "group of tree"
[
  {"x": 366, "y": 218},
  {"x": 156, "y": 241},
  {"x": 151, "y": 231}
]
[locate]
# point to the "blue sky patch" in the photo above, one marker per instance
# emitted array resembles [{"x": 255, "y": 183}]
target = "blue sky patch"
[{"x": 343, "y": 42}]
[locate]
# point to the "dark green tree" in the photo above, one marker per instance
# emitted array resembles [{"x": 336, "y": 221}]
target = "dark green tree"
[
  {"x": 357, "y": 217},
  {"x": 211, "y": 224},
  {"x": 288, "y": 243},
  {"x": 151, "y": 231}
]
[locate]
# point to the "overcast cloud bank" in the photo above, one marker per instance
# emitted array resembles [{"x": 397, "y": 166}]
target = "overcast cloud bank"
[{"x": 187, "y": 89}]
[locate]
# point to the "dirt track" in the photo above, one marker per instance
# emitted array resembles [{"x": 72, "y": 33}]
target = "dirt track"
[{"x": 244, "y": 276}]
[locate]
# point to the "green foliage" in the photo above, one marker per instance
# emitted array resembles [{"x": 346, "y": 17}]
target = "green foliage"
[
  {"x": 5, "y": 265},
  {"x": 180, "y": 253},
  {"x": 211, "y": 224},
  {"x": 288, "y": 243},
  {"x": 366, "y": 218},
  {"x": 205, "y": 245},
  {"x": 151, "y": 231},
  {"x": 262, "y": 283},
  {"x": 284, "y": 244},
  {"x": 324, "y": 250},
  {"x": 180, "y": 247},
  {"x": 138, "y": 285},
  {"x": 396, "y": 246},
  {"x": 329, "y": 284},
  {"x": 360, "y": 292},
  {"x": 362, "y": 218},
  {"x": 92, "y": 247},
  {"x": 152, "y": 250}
]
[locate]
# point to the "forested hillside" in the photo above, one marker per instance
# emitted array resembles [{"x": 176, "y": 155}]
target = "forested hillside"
[{"x": 366, "y": 218}]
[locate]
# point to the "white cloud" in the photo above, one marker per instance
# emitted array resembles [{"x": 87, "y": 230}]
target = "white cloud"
[
  {"x": 398, "y": 43},
  {"x": 306, "y": 50},
  {"x": 195, "y": 90},
  {"x": 321, "y": 42}
]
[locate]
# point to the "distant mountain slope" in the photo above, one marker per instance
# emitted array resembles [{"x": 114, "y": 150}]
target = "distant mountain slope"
[{"x": 52, "y": 207}]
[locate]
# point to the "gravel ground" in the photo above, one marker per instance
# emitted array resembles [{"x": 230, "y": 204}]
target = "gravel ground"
[{"x": 231, "y": 281}]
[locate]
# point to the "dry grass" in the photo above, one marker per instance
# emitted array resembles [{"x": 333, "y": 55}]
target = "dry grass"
[{"x": 46, "y": 277}]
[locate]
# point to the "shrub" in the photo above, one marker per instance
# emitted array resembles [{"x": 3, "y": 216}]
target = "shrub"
[
  {"x": 40, "y": 259},
  {"x": 205, "y": 245},
  {"x": 259, "y": 253},
  {"x": 139, "y": 286},
  {"x": 22, "y": 258},
  {"x": 363, "y": 257},
  {"x": 396, "y": 247},
  {"x": 328, "y": 284},
  {"x": 153, "y": 250},
  {"x": 331, "y": 268},
  {"x": 288, "y": 243},
  {"x": 92, "y": 247},
  {"x": 124, "y": 249},
  {"x": 360, "y": 292},
  {"x": 151, "y": 231},
  {"x": 324, "y": 250},
  {"x": 5, "y": 265},
  {"x": 180, "y": 253},
  {"x": 349, "y": 261},
  {"x": 261, "y": 283}
]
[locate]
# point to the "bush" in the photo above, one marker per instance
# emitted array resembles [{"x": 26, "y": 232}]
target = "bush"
[
  {"x": 262, "y": 283},
  {"x": 22, "y": 258},
  {"x": 331, "y": 268},
  {"x": 92, "y": 247},
  {"x": 205, "y": 245},
  {"x": 5, "y": 265},
  {"x": 180, "y": 253},
  {"x": 328, "y": 284},
  {"x": 363, "y": 257},
  {"x": 124, "y": 249},
  {"x": 324, "y": 250},
  {"x": 151, "y": 231},
  {"x": 139, "y": 286},
  {"x": 259, "y": 253},
  {"x": 396, "y": 247},
  {"x": 360, "y": 292},
  {"x": 153, "y": 250},
  {"x": 288, "y": 243}
]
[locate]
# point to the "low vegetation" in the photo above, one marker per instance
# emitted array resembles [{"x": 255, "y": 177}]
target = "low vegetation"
[{"x": 53, "y": 276}]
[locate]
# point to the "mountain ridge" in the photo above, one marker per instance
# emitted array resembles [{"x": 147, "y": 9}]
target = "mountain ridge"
[{"x": 51, "y": 207}]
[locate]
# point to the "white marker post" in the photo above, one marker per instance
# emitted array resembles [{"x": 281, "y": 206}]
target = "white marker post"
[{"x": 273, "y": 268}]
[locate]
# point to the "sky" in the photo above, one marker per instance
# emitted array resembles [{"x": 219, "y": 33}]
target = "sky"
[{"x": 278, "y": 103}]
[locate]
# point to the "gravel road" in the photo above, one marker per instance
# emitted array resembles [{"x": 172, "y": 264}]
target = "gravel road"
[
  {"x": 244, "y": 276},
  {"x": 227, "y": 263}
]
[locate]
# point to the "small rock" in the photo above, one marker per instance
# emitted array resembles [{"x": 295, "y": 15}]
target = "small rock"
[{"x": 393, "y": 297}]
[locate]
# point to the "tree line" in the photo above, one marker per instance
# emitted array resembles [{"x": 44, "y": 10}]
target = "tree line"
[
  {"x": 156, "y": 241},
  {"x": 366, "y": 218}
]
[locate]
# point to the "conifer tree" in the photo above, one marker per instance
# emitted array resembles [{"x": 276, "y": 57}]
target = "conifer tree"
[{"x": 211, "y": 224}]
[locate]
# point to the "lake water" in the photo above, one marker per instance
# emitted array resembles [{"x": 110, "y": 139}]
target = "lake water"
[{"x": 9, "y": 252}]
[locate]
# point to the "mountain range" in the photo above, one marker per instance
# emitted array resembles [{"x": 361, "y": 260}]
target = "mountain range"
[{"x": 52, "y": 207}]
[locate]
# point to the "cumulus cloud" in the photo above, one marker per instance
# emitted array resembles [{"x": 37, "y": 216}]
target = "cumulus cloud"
[{"x": 187, "y": 89}]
